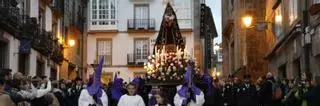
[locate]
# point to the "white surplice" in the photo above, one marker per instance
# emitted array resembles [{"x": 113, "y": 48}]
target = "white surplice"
[
  {"x": 86, "y": 99},
  {"x": 126, "y": 100},
  {"x": 199, "y": 99}
]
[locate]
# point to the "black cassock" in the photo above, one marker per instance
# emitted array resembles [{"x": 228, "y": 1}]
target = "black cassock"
[
  {"x": 74, "y": 96},
  {"x": 229, "y": 95},
  {"x": 247, "y": 95},
  {"x": 215, "y": 99}
]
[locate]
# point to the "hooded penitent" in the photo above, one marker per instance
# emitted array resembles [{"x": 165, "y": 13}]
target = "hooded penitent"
[
  {"x": 137, "y": 81},
  {"x": 189, "y": 86},
  {"x": 207, "y": 80},
  {"x": 117, "y": 88},
  {"x": 95, "y": 86}
]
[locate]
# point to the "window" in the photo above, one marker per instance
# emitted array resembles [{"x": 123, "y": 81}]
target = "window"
[
  {"x": 141, "y": 16},
  {"x": 316, "y": 1},
  {"x": 42, "y": 18},
  {"x": 71, "y": 69},
  {"x": 282, "y": 71},
  {"x": 3, "y": 55},
  {"x": 53, "y": 73},
  {"x": 40, "y": 68},
  {"x": 103, "y": 12},
  {"x": 141, "y": 49},
  {"x": 66, "y": 6},
  {"x": 24, "y": 7},
  {"x": 24, "y": 63},
  {"x": 105, "y": 49},
  {"x": 293, "y": 11},
  {"x": 278, "y": 26},
  {"x": 182, "y": 9}
]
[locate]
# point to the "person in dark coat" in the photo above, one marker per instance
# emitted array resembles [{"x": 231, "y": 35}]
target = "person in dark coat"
[
  {"x": 75, "y": 92},
  {"x": 313, "y": 96},
  {"x": 246, "y": 93},
  {"x": 211, "y": 90},
  {"x": 59, "y": 94},
  {"x": 265, "y": 92},
  {"x": 229, "y": 92}
]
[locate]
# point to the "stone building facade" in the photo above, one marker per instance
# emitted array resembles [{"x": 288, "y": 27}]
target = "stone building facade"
[
  {"x": 295, "y": 54},
  {"x": 244, "y": 48}
]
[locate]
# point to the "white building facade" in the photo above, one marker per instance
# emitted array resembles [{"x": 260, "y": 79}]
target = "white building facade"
[
  {"x": 124, "y": 32},
  {"x": 32, "y": 63}
]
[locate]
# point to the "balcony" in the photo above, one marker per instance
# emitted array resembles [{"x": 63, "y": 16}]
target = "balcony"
[
  {"x": 141, "y": 24},
  {"x": 141, "y": 0},
  {"x": 57, "y": 54},
  {"x": 103, "y": 25},
  {"x": 9, "y": 16},
  {"x": 133, "y": 60},
  {"x": 42, "y": 42},
  {"x": 185, "y": 24},
  {"x": 57, "y": 6}
]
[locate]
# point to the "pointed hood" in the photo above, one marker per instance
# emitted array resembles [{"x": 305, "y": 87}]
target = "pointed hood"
[
  {"x": 207, "y": 80},
  {"x": 117, "y": 87},
  {"x": 94, "y": 88},
  {"x": 188, "y": 77},
  {"x": 136, "y": 81}
]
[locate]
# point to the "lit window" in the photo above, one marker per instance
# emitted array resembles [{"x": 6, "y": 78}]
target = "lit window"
[
  {"x": 293, "y": 10},
  {"x": 278, "y": 26}
]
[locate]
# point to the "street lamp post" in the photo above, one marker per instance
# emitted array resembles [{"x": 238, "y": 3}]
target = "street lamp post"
[{"x": 247, "y": 20}]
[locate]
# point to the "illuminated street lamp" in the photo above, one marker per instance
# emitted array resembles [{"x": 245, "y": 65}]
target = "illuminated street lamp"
[
  {"x": 247, "y": 21},
  {"x": 71, "y": 42},
  {"x": 278, "y": 18}
]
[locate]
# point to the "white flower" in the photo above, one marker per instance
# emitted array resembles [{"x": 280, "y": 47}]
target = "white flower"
[
  {"x": 160, "y": 69},
  {"x": 162, "y": 63},
  {"x": 174, "y": 68},
  {"x": 181, "y": 66},
  {"x": 159, "y": 78},
  {"x": 169, "y": 70},
  {"x": 153, "y": 61},
  {"x": 174, "y": 74},
  {"x": 149, "y": 57},
  {"x": 153, "y": 56},
  {"x": 171, "y": 64}
]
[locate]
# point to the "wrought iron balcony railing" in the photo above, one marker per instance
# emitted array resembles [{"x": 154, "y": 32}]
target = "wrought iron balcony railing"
[
  {"x": 134, "y": 59},
  {"x": 9, "y": 16},
  {"x": 141, "y": 24}
]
